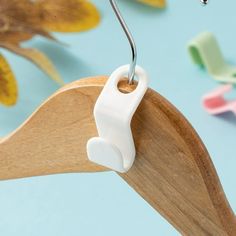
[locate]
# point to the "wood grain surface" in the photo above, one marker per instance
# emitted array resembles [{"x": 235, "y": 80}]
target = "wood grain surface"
[{"x": 172, "y": 170}]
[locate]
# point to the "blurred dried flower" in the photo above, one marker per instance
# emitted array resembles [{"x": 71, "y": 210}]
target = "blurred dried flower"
[
  {"x": 154, "y": 3},
  {"x": 21, "y": 20}
]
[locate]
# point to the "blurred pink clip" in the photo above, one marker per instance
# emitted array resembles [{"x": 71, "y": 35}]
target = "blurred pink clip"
[{"x": 215, "y": 103}]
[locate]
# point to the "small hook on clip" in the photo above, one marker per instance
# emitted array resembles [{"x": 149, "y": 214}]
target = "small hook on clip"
[{"x": 114, "y": 147}]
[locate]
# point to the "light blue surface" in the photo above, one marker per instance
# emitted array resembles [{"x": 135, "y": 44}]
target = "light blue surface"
[{"x": 102, "y": 204}]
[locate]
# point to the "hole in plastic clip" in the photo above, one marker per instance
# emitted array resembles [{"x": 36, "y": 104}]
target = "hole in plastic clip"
[{"x": 124, "y": 87}]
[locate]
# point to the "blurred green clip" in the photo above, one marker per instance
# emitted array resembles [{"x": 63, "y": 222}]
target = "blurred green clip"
[{"x": 205, "y": 52}]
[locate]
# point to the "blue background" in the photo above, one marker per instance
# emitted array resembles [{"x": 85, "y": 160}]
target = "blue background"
[{"x": 103, "y": 204}]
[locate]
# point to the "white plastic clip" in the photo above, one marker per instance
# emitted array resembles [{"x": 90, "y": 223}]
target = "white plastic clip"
[{"x": 114, "y": 148}]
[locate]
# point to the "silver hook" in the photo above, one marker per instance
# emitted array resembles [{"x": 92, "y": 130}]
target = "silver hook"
[
  {"x": 204, "y": 2},
  {"x": 130, "y": 38}
]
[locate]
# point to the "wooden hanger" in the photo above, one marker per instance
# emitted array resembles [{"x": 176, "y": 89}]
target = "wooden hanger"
[{"x": 172, "y": 170}]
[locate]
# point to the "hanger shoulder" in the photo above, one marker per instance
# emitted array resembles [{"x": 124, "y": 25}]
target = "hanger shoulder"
[
  {"x": 50, "y": 141},
  {"x": 172, "y": 170},
  {"x": 174, "y": 173}
]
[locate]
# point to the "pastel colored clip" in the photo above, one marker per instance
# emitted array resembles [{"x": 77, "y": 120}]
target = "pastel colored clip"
[
  {"x": 114, "y": 148},
  {"x": 215, "y": 103},
  {"x": 204, "y": 51}
]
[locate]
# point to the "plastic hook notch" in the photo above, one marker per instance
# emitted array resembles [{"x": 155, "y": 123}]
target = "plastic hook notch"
[
  {"x": 113, "y": 111},
  {"x": 215, "y": 103}
]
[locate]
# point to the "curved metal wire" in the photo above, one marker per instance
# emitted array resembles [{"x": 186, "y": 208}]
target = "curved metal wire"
[
  {"x": 204, "y": 2},
  {"x": 130, "y": 39}
]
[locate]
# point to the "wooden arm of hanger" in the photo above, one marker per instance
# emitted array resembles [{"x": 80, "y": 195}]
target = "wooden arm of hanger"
[{"x": 172, "y": 170}]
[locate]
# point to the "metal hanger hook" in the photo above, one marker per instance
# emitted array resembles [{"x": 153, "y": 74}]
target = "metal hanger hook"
[
  {"x": 130, "y": 39},
  {"x": 204, "y": 2}
]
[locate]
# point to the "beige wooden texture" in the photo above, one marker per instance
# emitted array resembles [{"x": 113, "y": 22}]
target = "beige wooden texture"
[{"x": 172, "y": 170}]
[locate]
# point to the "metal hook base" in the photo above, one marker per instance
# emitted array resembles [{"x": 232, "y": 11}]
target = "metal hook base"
[{"x": 130, "y": 38}]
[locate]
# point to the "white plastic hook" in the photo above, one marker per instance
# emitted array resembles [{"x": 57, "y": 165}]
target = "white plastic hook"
[{"x": 114, "y": 148}]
